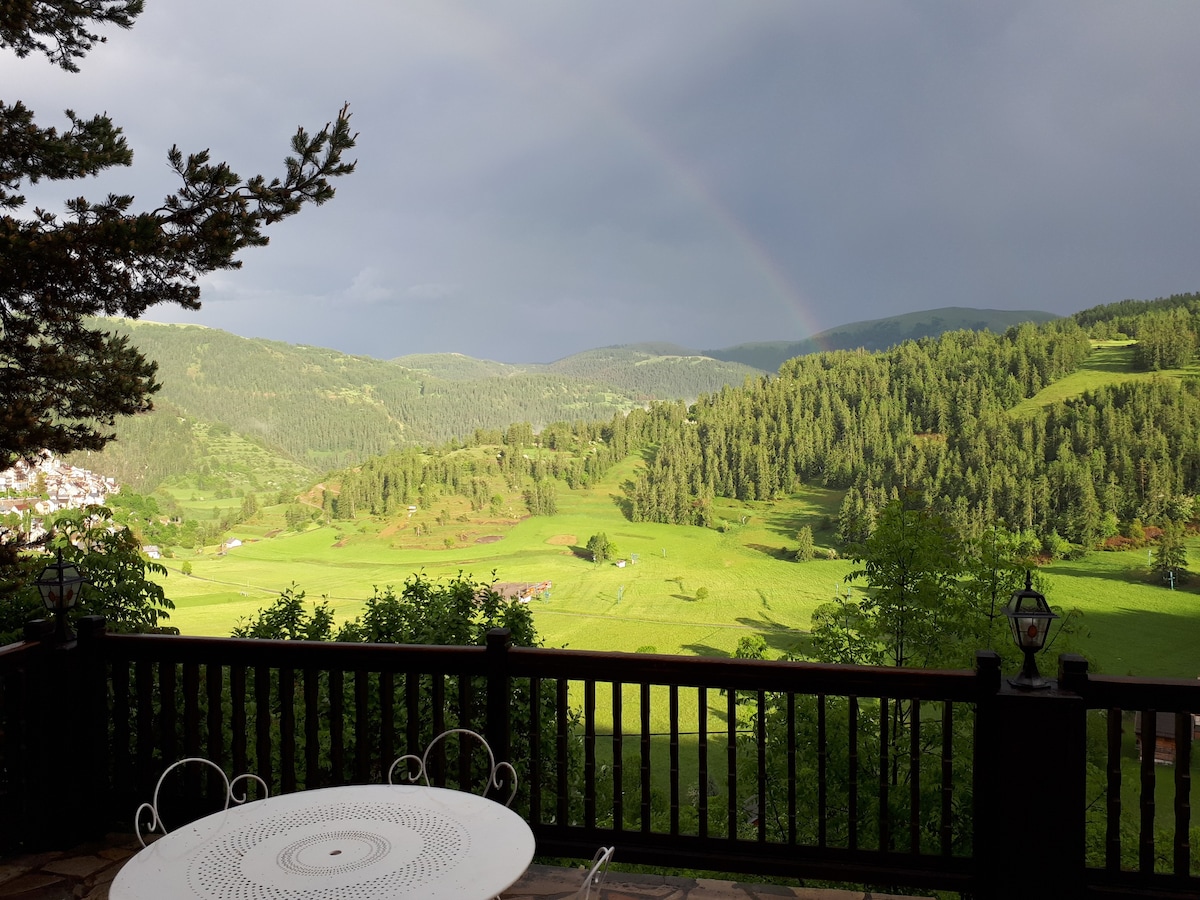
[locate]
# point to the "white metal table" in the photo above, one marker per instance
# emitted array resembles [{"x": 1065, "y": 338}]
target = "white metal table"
[{"x": 374, "y": 842}]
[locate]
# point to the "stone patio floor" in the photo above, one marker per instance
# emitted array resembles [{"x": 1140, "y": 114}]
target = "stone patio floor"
[{"x": 85, "y": 872}]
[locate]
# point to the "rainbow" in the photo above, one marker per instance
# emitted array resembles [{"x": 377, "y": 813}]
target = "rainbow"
[{"x": 504, "y": 54}]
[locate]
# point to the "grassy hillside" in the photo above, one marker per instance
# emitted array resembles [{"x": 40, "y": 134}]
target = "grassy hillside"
[
  {"x": 1110, "y": 362},
  {"x": 879, "y": 334}
]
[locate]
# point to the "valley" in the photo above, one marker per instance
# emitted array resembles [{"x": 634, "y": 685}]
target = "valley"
[
  {"x": 1132, "y": 625},
  {"x": 993, "y": 426}
]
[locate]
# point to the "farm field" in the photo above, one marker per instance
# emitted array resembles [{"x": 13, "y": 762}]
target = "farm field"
[{"x": 1131, "y": 625}]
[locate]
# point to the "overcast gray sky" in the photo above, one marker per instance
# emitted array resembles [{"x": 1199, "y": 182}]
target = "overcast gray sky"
[{"x": 538, "y": 177}]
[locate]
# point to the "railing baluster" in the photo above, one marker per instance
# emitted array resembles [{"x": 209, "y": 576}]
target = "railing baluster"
[
  {"x": 144, "y": 681},
  {"x": 287, "y": 729},
  {"x": 191, "y": 709},
  {"x": 563, "y": 737},
  {"x": 464, "y": 721},
  {"x": 387, "y": 719},
  {"x": 535, "y": 754},
  {"x": 362, "y": 727},
  {"x": 337, "y": 727},
  {"x": 618, "y": 752},
  {"x": 853, "y": 800},
  {"x": 1112, "y": 833},
  {"x": 237, "y": 716},
  {"x": 822, "y": 775},
  {"x": 312, "y": 726},
  {"x": 644, "y": 710},
  {"x": 1183, "y": 791},
  {"x": 731, "y": 762},
  {"x": 122, "y": 755},
  {"x": 412, "y": 714},
  {"x": 589, "y": 753},
  {"x": 213, "y": 685},
  {"x": 167, "y": 742},
  {"x": 914, "y": 777},
  {"x": 262, "y": 725},
  {"x": 702, "y": 757},
  {"x": 884, "y": 765},
  {"x": 1146, "y": 833},
  {"x": 791, "y": 763},
  {"x": 673, "y": 704},
  {"x": 438, "y": 701},
  {"x": 761, "y": 740},
  {"x": 947, "y": 776}
]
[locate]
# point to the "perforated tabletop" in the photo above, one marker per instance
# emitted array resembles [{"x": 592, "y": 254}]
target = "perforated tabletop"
[{"x": 383, "y": 842}]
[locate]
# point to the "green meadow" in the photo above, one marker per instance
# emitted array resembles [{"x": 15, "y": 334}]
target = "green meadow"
[
  {"x": 1131, "y": 623},
  {"x": 1110, "y": 362}
]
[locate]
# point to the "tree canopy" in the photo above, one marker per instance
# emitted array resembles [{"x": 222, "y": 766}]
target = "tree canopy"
[{"x": 63, "y": 379}]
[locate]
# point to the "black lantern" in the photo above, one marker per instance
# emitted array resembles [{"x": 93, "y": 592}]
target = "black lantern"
[
  {"x": 60, "y": 585},
  {"x": 1029, "y": 616}
]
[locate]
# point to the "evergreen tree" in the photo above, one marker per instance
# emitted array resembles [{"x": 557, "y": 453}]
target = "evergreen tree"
[
  {"x": 63, "y": 378},
  {"x": 601, "y": 548},
  {"x": 804, "y": 537},
  {"x": 1170, "y": 556}
]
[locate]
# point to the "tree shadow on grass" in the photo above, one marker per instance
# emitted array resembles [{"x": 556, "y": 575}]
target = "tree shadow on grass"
[
  {"x": 624, "y": 500},
  {"x": 1139, "y": 576},
  {"x": 787, "y": 524},
  {"x": 783, "y": 554},
  {"x": 705, "y": 650}
]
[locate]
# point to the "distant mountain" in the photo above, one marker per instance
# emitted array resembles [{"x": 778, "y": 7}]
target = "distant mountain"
[
  {"x": 456, "y": 367},
  {"x": 313, "y": 409},
  {"x": 879, "y": 334},
  {"x": 320, "y": 409}
]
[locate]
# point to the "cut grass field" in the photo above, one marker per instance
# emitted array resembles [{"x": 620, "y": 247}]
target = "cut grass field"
[
  {"x": 1132, "y": 624},
  {"x": 648, "y": 604},
  {"x": 1110, "y": 362}
]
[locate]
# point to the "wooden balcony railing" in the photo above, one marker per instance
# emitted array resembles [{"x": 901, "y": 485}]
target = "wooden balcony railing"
[{"x": 889, "y": 777}]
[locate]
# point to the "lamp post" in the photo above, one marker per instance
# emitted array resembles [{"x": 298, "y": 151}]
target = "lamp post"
[
  {"x": 1029, "y": 616},
  {"x": 60, "y": 584}
]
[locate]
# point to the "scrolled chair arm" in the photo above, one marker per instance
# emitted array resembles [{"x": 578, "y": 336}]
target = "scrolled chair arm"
[
  {"x": 422, "y": 771},
  {"x": 596, "y": 874},
  {"x": 156, "y": 823}
]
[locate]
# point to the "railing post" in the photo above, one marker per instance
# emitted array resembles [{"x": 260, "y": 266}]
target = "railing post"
[
  {"x": 60, "y": 749},
  {"x": 1030, "y": 787},
  {"x": 499, "y": 696},
  {"x": 93, "y": 780},
  {"x": 986, "y": 836}
]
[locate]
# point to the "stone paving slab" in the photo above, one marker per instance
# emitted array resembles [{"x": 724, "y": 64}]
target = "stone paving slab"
[
  {"x": 549, "y": 883},
  {"x": 85, "y": 872}
]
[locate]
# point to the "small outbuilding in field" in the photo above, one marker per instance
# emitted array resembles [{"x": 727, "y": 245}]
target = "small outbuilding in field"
[{"x": 521, "y": 591}]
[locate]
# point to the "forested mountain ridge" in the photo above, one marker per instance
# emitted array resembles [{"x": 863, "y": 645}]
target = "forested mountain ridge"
[
  {"x": 659, "y": 371},
  {"x": 323, "y": 409},
  {"x": 879, "y": 334},
  {"x": 935, "y": 416}
]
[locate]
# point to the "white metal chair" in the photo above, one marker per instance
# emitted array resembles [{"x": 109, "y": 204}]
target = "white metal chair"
[
  {"x": 494, "y": 768},
  {"x": 596, "y": 875},
  {"x": 156, "y": 822}
]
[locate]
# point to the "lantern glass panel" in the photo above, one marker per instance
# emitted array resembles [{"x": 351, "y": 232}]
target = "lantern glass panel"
[
  {"x": 59, "y": 586},
  {"x": 1030, "y": 630}
]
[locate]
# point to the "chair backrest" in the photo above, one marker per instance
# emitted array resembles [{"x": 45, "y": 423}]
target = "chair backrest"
[
  {"x": 422, "y": 761},
  {"x": 156, "y": 823},
  {"x": 596, "y": 874}
]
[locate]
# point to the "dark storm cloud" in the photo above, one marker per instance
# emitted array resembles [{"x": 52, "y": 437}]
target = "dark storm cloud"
[{"x": 536, "y": 178}]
